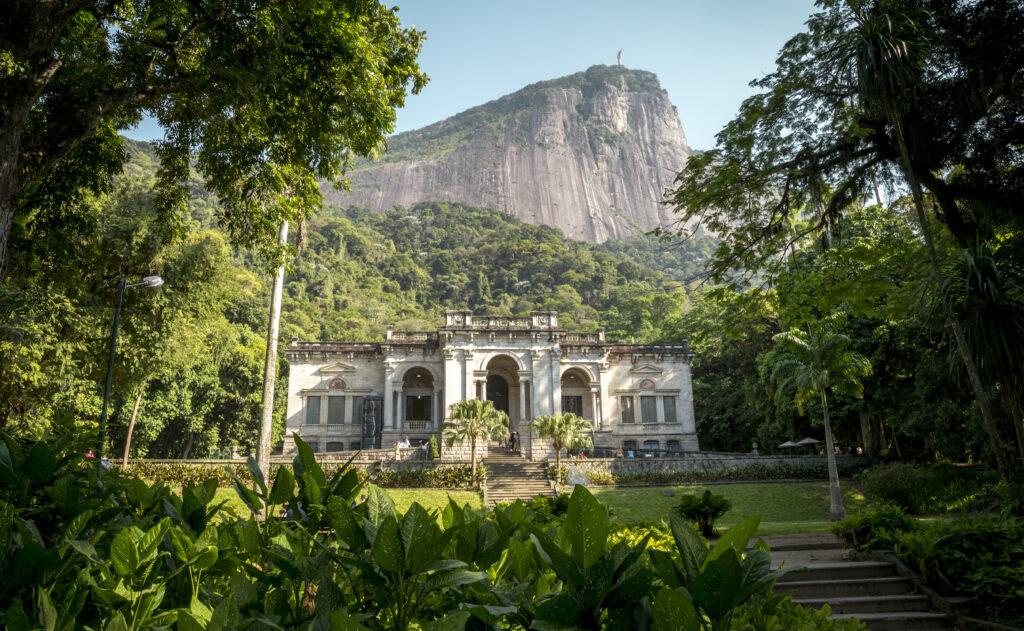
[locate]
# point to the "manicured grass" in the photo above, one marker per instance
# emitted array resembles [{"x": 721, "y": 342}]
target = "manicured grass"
[
  {"x": 403, "y": 498},
  {"x": 785, "y": 507}
]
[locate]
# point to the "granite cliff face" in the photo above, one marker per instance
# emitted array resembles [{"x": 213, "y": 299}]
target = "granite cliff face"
[{"x": 591, "y": 154}]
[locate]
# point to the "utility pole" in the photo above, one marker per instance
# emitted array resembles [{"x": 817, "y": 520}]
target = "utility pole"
[{"x": 270, "y": 368}]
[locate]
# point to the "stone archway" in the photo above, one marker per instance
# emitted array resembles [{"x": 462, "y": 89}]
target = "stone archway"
[
  {"x": 577, "y": 395},
  {"x": 503, "y": 388}
]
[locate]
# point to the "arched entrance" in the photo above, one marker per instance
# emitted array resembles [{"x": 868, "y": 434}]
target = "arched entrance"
[
  {"x": 497, "y": 392},
  {"x": 502, "y": 387},
  {"x": 576, "y": 394},
  {"x": 417, "y": 404}
]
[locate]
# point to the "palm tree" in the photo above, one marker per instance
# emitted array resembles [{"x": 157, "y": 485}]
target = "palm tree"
[
  {"x": 565, "y": 431},
  {"x": 473, "y": 419},
  {"x": 813, "y": 365}
]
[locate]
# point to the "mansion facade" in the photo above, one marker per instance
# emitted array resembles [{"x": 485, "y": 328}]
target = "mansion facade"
[{"x": 346, "y": 396}]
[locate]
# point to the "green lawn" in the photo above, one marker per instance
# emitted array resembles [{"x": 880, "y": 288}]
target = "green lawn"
[
  {"x": 428, "y": 498},
  {"x": 785, "y": 507}
]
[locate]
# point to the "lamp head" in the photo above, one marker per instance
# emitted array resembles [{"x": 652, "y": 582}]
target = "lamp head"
[{"x": 151, "y": 281}]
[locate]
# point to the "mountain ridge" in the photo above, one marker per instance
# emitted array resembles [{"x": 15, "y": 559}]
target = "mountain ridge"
[{"x": 590, "y": 153}]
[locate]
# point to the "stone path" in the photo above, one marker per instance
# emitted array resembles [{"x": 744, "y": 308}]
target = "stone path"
[
  {"x": 511, "y": 477},
  {"x": 871, "y": 591}
]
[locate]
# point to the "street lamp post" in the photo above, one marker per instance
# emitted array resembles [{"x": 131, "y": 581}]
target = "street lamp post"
[{"x": 149, "y": 281}]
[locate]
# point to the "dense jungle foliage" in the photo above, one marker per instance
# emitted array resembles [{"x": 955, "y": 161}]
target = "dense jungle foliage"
[{"x": 85, "y": 547}]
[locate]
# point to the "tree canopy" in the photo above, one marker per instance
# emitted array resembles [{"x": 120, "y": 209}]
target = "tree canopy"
[{"x": 261, "y": 97}]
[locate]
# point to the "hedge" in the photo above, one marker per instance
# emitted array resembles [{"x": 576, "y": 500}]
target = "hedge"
[
  {"x": 783, "y": 471},
  {"x": 183, "y": 474}
]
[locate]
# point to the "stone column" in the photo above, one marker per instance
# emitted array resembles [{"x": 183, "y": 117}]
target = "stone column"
[
  {"x": 686, "y": 401},
  {"x": 659, "y": 406},
  {"x": 348, "y": 409},
  {"x": 389, "y": 398},
  {"x": 522, "y": 400},
  {"x": 400, "y": 421},
  {"x": 438, "y": 408},
  {"x": 594, "y": 410},
  {"x": 453, "y": 382},
  {"x": 556, "y": 381}
]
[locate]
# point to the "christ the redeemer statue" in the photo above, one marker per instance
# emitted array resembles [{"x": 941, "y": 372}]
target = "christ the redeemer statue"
[{"x": 620, "y": 57}]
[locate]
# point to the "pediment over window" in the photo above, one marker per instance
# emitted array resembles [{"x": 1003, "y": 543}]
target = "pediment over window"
[
  {"x": 646, "y": 369},
  {"x": 335, "y": 368}
]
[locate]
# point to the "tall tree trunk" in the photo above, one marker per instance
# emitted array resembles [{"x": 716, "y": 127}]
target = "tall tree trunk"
[
  {"x": 270, "y": 366},
  {"x": 963, "y": 345},
  {"x": 131, "y": 425},
  {"x": 867, "y": 437},
  {"x": 1015, "y": 407},
  {"x": 188, "y": 445},
  {"x": 835, "y": 504}
]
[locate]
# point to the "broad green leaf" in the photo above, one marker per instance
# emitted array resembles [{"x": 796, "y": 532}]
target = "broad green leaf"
[
  {"x": 86, "y": 549},
  {"x": 249, "y": 497},
  {"x": 718, "y": 589},
  {"x": 189, "y": 622},
  {"x": 378, "y": 505},
  {"x": 257, "y": 474},
  {"x": 305, "y": 463},
  {"x": 455, "y": 621},
  {"x": 387, "y": 546},
  {"x": 586, "y": 527},
  {"x": 674, "y": 611},
  {"x": 124, "y": 555},
  {"x": 116, "y": 623},
  {"x": 47, "y": 611},
  {"x": 633, "y": 586},
  {"x": 692, "y": 549},
  {"x": 341, "y": 621},
  {"x": 419, "y": 529},
  {"x": 559, "y": 609},
  {"x": 284, "y": 486},
  {"x": 736, "y": 538},
  {"x": 667, "y": 568},
  {"x": 555, "y": 558},
  {"x": 344, "y": 523},
  {"x": 453, "y": 578}
]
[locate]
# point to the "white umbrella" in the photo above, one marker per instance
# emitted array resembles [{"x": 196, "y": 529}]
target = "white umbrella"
[
  {"x": 788, "y": 445},
  {"x": 808, "y": 441}
]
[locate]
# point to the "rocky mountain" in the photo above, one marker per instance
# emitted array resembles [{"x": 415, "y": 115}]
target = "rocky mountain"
[{"x": 591, "y": 154}]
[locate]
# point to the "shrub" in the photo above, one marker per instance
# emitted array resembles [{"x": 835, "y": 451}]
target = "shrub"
[
  {"x": 874, "y": 527},
  {"x": 785, "y": 615},
  {"x": 906, "y": 485},
  {"x": 979, "y": 558},
  {"x": 659, "y": 538},
  {"x": 435, "y": 449},
  {"x": 704, "y": 510}
]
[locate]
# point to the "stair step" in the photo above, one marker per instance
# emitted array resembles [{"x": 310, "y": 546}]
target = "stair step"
[
  {"x": 867, "y": 604},
  {"x": 900, "y": 621},
  {"x": 817, "y": 589},
  {"x": 839, "y": 571}
]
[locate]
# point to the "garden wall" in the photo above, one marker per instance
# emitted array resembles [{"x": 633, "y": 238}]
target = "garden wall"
[{"x": 706, "y": 466}]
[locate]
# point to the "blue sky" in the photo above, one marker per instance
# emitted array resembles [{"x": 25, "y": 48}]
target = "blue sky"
[{"x": 705, "y": 52}]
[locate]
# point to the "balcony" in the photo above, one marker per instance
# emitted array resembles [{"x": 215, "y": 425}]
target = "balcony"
[{"x": 417, "y": 426}]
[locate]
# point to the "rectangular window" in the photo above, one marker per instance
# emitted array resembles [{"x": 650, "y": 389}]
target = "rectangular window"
[
  {"x": 669, "y": 404},
  {"x": 357, "y": 411},
  {"x": 652, "y": 446},
  {"x": 335, "y": 410},
  {"x": 332, "y": 446},
  {"x": 355, "y": 446},
  {"x": 315, "y": 446},
  {"x": 626, "y": 404},
  {"x": 672, "y": 445},
  {"x": 573, "y": 403},
  {"x": 649, "y": 409},
  {"x": 312, "y": 410},
  {"x": 629, "y": 448}
]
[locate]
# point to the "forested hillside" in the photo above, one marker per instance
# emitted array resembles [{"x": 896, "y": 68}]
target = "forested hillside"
[{"x": 190, "y": 354}]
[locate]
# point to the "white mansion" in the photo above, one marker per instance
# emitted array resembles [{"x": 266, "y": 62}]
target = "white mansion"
[{"x": 346, "y": 396}]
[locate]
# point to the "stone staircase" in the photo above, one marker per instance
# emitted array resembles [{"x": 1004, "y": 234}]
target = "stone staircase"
[
  {"x": 871, "y": 591},
  {"x": 512, "y": 477}
]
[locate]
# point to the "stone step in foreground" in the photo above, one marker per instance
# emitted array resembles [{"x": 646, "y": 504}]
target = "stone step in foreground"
[{"x": 870, "y": 591}]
